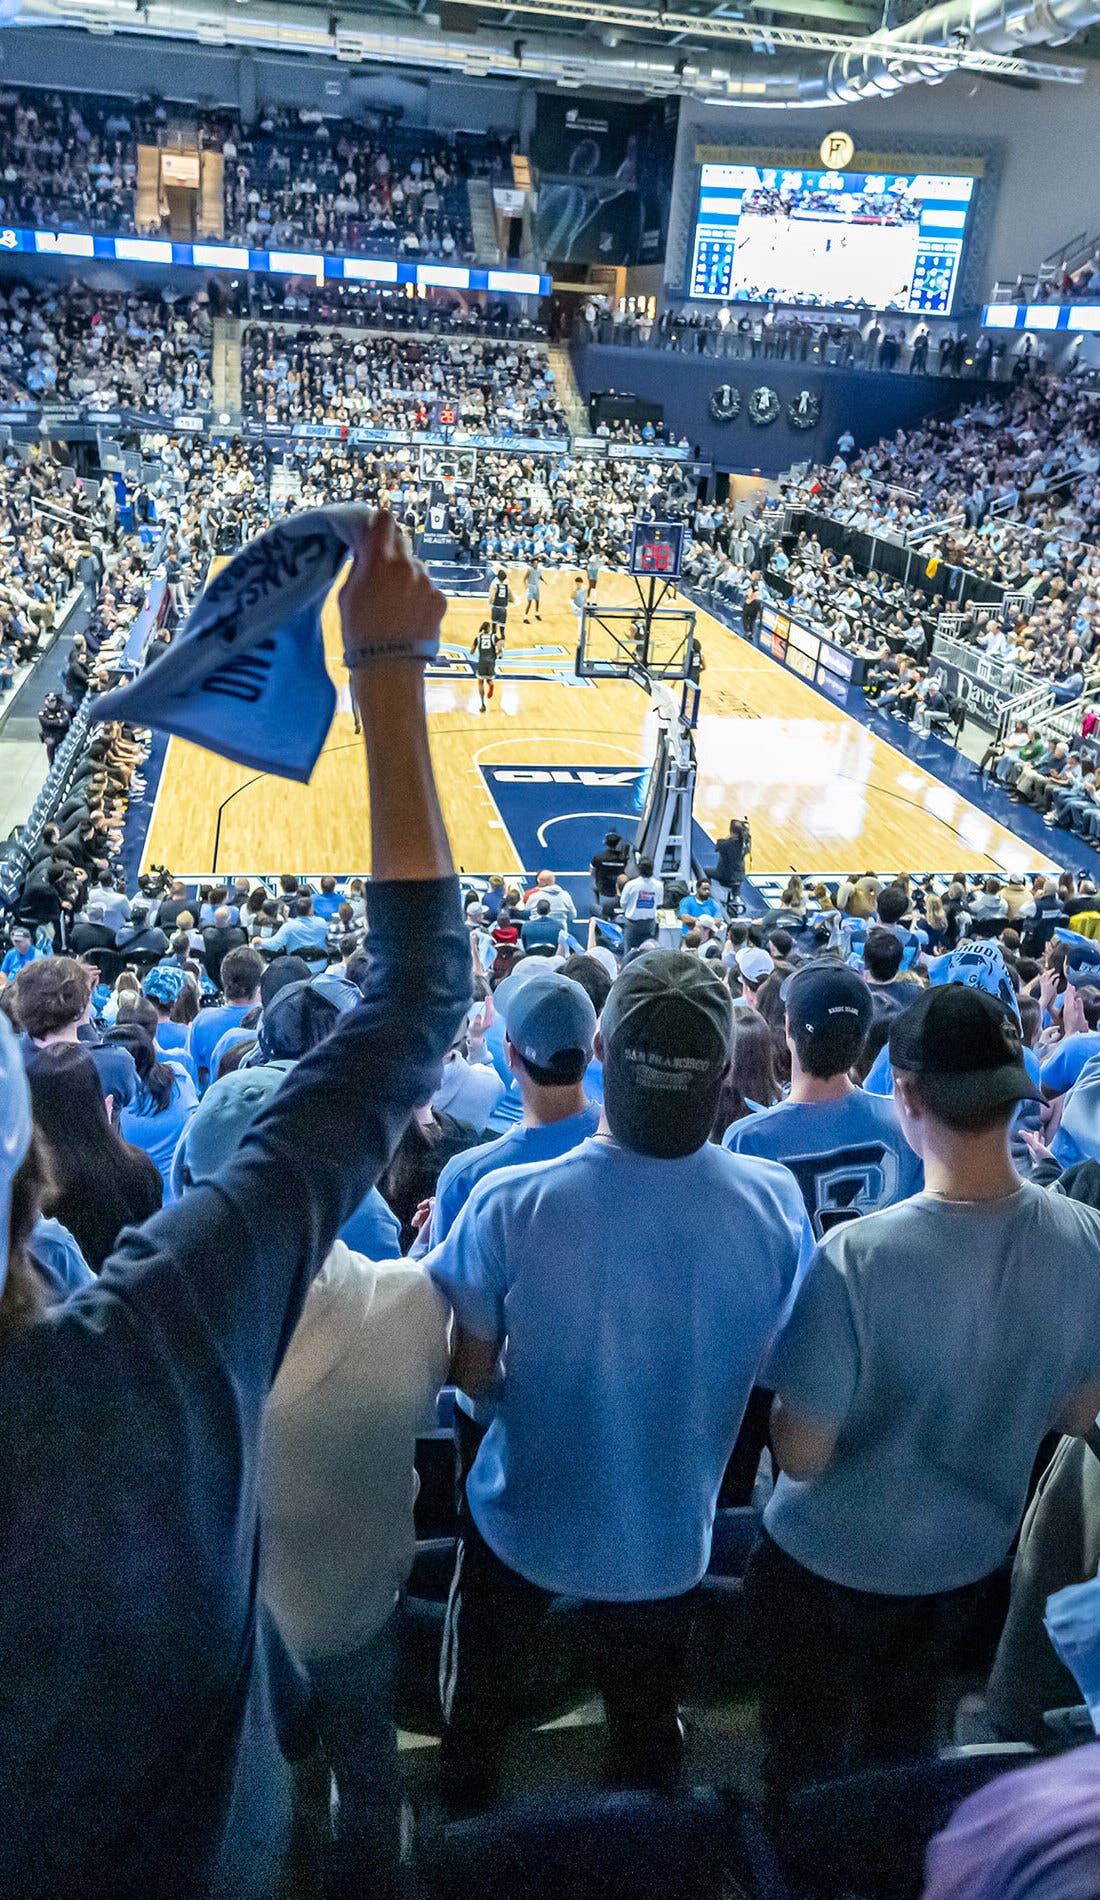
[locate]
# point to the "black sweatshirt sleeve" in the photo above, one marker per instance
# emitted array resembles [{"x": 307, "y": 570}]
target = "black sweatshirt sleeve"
[{"x": 221, "y": 1276}]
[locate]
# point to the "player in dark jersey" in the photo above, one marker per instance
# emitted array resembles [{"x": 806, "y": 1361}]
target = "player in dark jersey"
[
  {"x": 487, "y": 645},
  {"x": 500, "y": 595}
]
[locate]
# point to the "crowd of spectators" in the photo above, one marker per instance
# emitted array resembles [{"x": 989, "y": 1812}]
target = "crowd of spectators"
[
  {"x": 430, "y": 312},
  {"x": 299, "y": 178},
  {"x": 992, "y": 478},
  {"x": 290, "y": 178},
  {"x": 874, "y": 1082},
  {"x": 392, "y": 383},
  {"x": 104, "y": 349},
  {"x": 50, "y": 538},
  {"x": 877, "y": 1070},
  {"x": 68, "y": 161},
  {"x": 563, "y": 510},
  {"x": 767, "y": 334}
]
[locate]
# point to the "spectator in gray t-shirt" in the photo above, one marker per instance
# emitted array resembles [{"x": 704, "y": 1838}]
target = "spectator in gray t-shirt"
[{"x": 930, "y": 1349}]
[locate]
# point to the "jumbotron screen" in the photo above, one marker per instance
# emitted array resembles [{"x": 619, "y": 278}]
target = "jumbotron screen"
[{"x": 885, "y": 240}]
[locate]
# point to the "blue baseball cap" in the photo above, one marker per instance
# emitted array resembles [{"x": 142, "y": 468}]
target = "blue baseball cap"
[
  {"x": 1082, "y": 958},
  {"x": 545, "y": 1015},
  {"x": 228, "y": 1108},
  {"x": 15, "y": 1130}
]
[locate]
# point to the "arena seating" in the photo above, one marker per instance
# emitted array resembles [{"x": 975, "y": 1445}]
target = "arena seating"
[
  {"x": 326, "y": 376},
  {"x": 103, "y": 349},
  {"x": 324, "y": 183},
  {"x": 70, "y": 162}
]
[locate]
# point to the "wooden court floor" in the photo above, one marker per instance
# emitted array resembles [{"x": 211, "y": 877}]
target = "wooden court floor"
[{"x": 821, "y": 792}]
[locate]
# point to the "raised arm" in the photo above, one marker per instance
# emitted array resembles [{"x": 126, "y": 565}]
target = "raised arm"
[{"x": 231, "y": 1263}]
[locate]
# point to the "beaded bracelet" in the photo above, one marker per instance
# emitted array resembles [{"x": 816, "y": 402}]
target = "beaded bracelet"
[{"x": 407, "y": 650}]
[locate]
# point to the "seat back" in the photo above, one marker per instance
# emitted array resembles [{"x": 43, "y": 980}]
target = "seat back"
[{"x": 600, "y": 1846}]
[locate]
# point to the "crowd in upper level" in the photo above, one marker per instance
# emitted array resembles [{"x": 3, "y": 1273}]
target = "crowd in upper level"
[{"x": 291, "y": 178}]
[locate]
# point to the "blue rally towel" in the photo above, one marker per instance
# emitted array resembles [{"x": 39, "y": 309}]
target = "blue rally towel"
[
  {"x": 246, "y": 677},
  {"x": 979, "y": 963}
]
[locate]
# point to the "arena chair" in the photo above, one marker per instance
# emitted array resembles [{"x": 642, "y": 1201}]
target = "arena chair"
[
  {"x": 698, "y": 1845},
  {"x": 864, "y": 1837}
]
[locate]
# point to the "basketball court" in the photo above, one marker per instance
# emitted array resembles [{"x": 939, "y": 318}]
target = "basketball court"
[{"x": 556, "y": 761}]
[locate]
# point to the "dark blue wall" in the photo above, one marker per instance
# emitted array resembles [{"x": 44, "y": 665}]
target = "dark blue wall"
[{"x": 870, "y": 403}]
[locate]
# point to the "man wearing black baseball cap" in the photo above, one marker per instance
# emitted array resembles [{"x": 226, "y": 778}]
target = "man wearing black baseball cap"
[
  {"x": 931, "y": 1348},
  {"x": 633, "y": 1288},
  {"x": 844, "y": 1147}
]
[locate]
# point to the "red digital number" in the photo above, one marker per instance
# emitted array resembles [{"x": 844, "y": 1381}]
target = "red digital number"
[{"x": 655, "y": 555}]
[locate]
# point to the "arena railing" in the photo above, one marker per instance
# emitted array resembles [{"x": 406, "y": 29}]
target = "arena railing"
[
  {"x": 17, "y": 856},
  {"x": 995, "y": 693},
  {"x": 69, "y": 422},
  {"x": 888, "y": 554}
]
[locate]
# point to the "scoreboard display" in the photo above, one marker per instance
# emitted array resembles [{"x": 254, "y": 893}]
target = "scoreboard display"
[
  {"x": 656, "y": 550},
  {"x": 886, "y": 241}
]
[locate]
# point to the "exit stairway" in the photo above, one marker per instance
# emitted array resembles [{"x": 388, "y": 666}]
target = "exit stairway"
[{"x": 569, "y": 395}]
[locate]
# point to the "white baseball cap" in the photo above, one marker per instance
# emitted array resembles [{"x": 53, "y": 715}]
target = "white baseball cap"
[{"x": 754, "y": 964}]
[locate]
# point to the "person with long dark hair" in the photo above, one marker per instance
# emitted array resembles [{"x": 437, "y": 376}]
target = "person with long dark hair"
[
  {"x": 165, "y": 1101},
  {"x": 754, "y": 1080},
  {"x": 100, "y": 1183}
]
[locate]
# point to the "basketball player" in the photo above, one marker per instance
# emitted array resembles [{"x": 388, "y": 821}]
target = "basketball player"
[
  {"x": 534, "y": 589},
  {"x": 593, "y": 572},
  {"x": 500, "y": 596},
  {"x": 577, "y": 597},
  {"x": 488, "y": 645}
]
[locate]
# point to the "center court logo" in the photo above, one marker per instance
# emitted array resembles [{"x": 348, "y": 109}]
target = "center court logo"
[{"x": 566, "y": 775}]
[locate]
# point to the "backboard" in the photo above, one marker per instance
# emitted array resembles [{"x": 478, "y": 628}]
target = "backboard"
[{"x": 617, "y": 642}]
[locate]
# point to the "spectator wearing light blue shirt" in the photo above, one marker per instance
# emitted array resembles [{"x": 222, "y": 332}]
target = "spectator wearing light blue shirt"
[
  {"x": 699, "y": 904},
  {"x": 241, "y": 973},
  {"x": 17, "y": 958},
  {"x": 905, "y": 1473},
  {"x": 328, "y": 901},
  {"x": 303, "y": 930},
  {"x": 844, "y": 1147},
  {"x": 633, "y": 1342}
]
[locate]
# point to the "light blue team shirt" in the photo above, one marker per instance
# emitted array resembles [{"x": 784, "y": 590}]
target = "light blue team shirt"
[
  {"x": 13, "y": 962},
  {"x": 299, "y": 933},
  {"x": 633, "y": 1343},
  {"x": 171, "y": 1037},
  {"x": 58, "y": 1259},
  {"x": 519, "y": 1146},
  {"x": 848, "y": 1157},
  {"x": 225, "y": 1043},
  {"x": 693, "y": 907},
  {"x": 1065, "y": 1062},
  {"x": 943, "y": 1340},
  {"x": 158, "y": 1135},
  {"x": 373, "y": 1229},
  {"x": 207, "y": 1031}
]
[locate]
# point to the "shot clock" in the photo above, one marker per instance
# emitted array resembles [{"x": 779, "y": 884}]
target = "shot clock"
[{"x": 656, "y": 550}]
